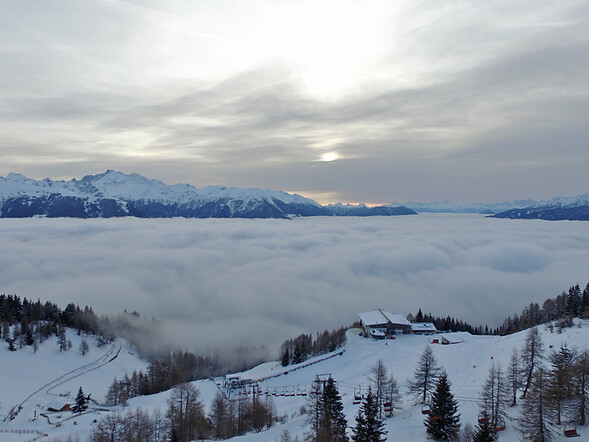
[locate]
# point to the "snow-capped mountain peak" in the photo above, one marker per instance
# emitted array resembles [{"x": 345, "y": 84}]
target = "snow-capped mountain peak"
[{"x": 114, "y": 193}]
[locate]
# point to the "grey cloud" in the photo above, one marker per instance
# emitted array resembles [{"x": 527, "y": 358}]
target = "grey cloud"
[
  {"x": 221, "y": 284},
  {"x": 500, "y": 113}
]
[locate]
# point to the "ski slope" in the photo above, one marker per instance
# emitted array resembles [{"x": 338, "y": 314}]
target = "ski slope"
[{"x": 467, "y": 362}]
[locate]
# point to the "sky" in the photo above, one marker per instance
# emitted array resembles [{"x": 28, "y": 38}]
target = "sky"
[
  {"x": 377, "y": 102},
  {"x": 218, "y": 284}
]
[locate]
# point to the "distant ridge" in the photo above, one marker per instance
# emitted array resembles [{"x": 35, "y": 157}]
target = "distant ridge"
[
  {"x": 452, "y": 207},
  {"x": 115, "y": 194},
  {"x": 557, "y": 209}
]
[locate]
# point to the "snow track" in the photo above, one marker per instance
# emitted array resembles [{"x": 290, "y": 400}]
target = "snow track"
[{"x": 109, "y": 356}]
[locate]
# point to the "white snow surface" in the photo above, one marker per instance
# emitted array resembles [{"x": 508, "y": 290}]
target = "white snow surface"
[
  {"x": 134, "y": 187},
  {"x": 467, "y": 363},
  {"x": 564, "y": 202}
]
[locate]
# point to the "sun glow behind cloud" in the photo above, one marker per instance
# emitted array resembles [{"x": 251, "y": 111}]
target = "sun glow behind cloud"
[
  {"x": 329, "y": 156},
  {"x": 334, "y": 45}
]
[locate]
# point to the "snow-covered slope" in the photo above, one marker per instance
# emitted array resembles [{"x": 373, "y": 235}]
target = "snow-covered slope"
[
  {"x": 561, "y": 208},
  {"x": 34, "y": 380},
  {"x": 467, "y": 363}
]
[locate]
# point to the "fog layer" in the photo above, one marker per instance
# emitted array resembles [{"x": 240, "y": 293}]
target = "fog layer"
[{"x": 220, "y": 284}]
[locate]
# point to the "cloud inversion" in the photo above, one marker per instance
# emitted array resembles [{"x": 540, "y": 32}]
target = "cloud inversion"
[{"x": 221, "y": 284}]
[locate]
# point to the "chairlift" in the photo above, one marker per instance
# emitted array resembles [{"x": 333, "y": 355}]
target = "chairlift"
[
  {"x": 483, "y": 418},
  {"x": 388, "y": 407},
  {"x": 500, "y": 426},
  {"x": 434, "y": 418},
  {"x": 426, "y": 409},
  {"x": 301, "y": 391},
  {"x": 357, "y": 395},
  {"x": 571, "y": 431}
]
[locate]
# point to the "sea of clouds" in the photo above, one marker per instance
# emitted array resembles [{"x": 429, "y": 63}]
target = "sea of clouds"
[{"x": 218, "y": 284}]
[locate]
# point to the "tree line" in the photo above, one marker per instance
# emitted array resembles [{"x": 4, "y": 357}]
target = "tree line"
[
  {"x": 304, "y": 346},
  {"x": 448, "y": 323},
  {"x": 562, "y": 308},
  {"x": 29, "y": 323},
  {"x": 185, "y": 419}
]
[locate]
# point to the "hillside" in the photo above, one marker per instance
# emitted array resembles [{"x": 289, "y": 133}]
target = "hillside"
[{"x": 466, "y": 362}]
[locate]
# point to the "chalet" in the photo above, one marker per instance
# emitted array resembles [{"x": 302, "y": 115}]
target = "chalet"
[
  {"x": 58, "y": 406},
  {"x": 380, "y": 324},
  {"x": 423, "y": 328}
]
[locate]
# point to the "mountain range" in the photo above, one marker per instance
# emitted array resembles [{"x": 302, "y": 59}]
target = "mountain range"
[
  {"x": 115, "y": 194},
  {"x": 557, "y": 209}
]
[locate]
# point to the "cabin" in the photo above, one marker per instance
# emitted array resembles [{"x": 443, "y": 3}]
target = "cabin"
[
  {"x": 423, "y": 328},
  {"x": 380, "y": 324},
  {"x": 58, "y": 406}
]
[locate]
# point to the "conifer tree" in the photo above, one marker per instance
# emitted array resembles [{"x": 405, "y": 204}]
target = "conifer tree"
[
  {"x": 61, "y": 338},
  {"x": 535, "y": 416},
  {"x": 532, "y": 353},
  {"x": 581, "y": 381},
  {"x": 443, "y": 423},
  {"x": 81, "y": 402},
  {"x": 385, "y": 388},
  {"x": 485, "y": 433},
  {"x": 584, "y": 308},
  {"x": 514, "y": 376},
  {"x": 285, "y": 358},
  {"x": 560, "y": 386},
  {"x": 494, "y": 397},
  {"x": 328, "y": 421},
  {"x": 573, "y": 301},
  {"x": 369, "y": 427},
  {"x": 425, "y": 375}
]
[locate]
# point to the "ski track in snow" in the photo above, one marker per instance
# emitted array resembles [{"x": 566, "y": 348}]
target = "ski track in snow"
[{"x": 76, "y": 372}]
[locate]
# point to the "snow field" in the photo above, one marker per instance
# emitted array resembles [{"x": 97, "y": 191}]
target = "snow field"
[{"x": 467, "y": 363}]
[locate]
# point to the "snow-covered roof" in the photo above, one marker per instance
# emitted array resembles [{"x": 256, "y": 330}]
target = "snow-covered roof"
[
  {"x": 57, "y": 405},
  {"x": 378, "y": 317},
  {"x": 423, "y": 326}
]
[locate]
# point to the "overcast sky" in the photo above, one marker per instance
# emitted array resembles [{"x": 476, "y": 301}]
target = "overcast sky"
[
  {"x": 230, "y": 282},
  {"x": 341, "y": 100}
]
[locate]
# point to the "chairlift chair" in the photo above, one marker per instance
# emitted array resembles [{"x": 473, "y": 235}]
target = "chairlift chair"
[
  {"x": 357, "y": 395},
  {"x": 483, "y": 418},
  {"x": 426, "y": 409},
  {"x": 571, "y": 432},
  {"x": 500, "y": 426},
  {"x": 388, "y": 407}
]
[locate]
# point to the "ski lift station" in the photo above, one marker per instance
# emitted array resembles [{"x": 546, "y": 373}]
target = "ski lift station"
[{"x": 380, "y": 324}]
